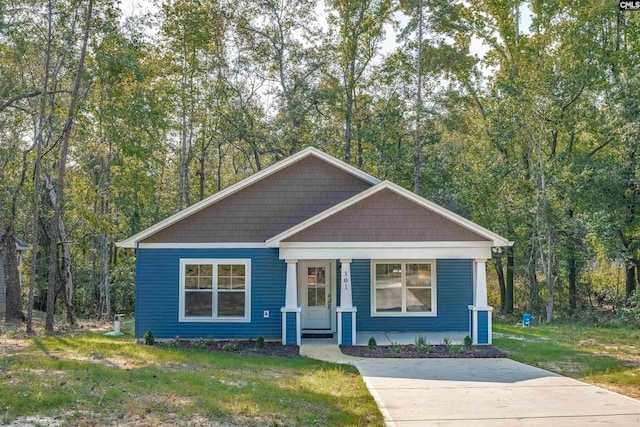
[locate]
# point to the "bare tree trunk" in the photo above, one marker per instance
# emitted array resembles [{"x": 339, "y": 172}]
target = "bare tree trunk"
[
  {"x": 501, "y": 282},
  {"x": 533, "y": 284},
  {"x": 508, "y": 296},
  {"x": 417, "y": 143},
  {"x": 38, "y": 172},
  {"x": 630, "y": 280},
  {"x": 67, "y": 272},
  {"x": 104, "y": 278},
  {"x": 12, "y": 278},
  {"x": 57, "y": 210}
]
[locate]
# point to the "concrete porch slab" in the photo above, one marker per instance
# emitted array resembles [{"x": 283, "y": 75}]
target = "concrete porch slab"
[{"x": 404, "y": 338}]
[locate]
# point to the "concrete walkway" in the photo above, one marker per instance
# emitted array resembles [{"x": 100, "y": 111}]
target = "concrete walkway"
[{"x": 480, "y": 392}]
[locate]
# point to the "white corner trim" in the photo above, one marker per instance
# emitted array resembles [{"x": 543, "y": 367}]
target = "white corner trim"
[
  {"x": 496, "y": 240},
  {"x": 239, "y": 245},
  {"x": 309, "y": 151}
]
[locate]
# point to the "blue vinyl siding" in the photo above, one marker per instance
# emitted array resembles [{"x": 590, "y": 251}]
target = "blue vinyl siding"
[
  {"x": 347, "y": 327},
  {"x": 483, "y": 327},
  {"x": 454, "y": 294},
  {"x": 292, "y": 336},
  {"x": 157, "y": 293}
]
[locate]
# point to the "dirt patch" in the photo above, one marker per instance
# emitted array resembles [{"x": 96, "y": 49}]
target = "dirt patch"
[
  {"x": 410, "y": 352},
  {"x": 243, "y": 347},
  {"x": 519, "y": 337},
  {"x": 11, "y": 345}
]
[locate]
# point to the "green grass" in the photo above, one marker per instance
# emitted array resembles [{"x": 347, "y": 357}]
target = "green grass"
[
  {"x": 608, "y": 357},
  {"x": 92, "y": 378}
]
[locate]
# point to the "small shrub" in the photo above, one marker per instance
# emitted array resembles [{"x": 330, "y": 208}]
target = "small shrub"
[
  {"x": 173, "y": 342},
  {"x": 201, "y": 343},
  {"x": 468, "y": 342},
  {"x": 231, "y": 346},
  {"x": 457, "y": 349},
  {"x": 148, "y": 338},
  {"x": 447, "y": 343},
  {"x": 396, "y": 347},
  {"x": 372, "y": 343},
  {"x": 260, "y": 343},
  {"x": 425, "y": 348},
  {"x": 421, "y": 341}
]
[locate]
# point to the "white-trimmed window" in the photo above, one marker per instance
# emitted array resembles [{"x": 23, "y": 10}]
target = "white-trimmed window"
[
  {"x": 403, "y": 288},
  {"x": 215, "y": 290}
]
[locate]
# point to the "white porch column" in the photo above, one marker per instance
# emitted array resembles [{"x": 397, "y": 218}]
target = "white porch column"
[
  {"x": 480, "y": 302},
  {"x": 480, "y": 293},
  {"x": 346, "y": 300},
  {"x": 291, "y": 300}
]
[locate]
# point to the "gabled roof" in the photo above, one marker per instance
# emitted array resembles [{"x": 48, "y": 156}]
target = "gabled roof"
[
  {"x": 132, "y": 241},
  {"x": 20, "y": 245},
  {"x": 496, "y": 240}
]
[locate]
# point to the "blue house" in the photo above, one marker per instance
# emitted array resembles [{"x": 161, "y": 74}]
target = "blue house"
[{"x": 312, "y": 245}]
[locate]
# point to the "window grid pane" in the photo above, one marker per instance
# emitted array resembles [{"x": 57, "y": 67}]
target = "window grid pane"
[
  {"x": 200, "y": 294},
  {"x": 403, "y": 287}
]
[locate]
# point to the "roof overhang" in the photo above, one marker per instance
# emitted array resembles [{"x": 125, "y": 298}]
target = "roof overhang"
[
  {"x": 132, "y": 241},
  {"x": 493, "y": 239},
  {"x": 385, "y": 250}
]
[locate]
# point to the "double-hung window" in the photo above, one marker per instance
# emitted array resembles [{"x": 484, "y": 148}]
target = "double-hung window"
[
  {"x": 215, "y": 290},
  {"x": 403, "y": 288}
]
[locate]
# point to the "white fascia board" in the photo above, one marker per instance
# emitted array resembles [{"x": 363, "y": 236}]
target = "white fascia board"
[
  {"x": 309, "y": 151},
  {"x": 406, "y": 245},
  {"x": 239, "y": 245},
  {"x": 496, "y": 240},
  {"x": 385, "y": 253}
]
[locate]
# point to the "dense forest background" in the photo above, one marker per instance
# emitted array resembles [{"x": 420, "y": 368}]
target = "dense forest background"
[{"x": 530, "y": 127}]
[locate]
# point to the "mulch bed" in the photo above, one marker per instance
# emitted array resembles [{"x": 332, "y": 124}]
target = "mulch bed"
[
  {"x": 241, "y": 347},
  {"x": 410, "y": 352}
]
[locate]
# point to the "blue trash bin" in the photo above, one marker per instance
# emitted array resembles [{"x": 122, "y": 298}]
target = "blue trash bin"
[{"x": 526, "y": 320}]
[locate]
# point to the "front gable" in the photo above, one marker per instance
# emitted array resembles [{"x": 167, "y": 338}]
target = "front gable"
[
  {"x": 267, "y": 207},
  {"x": 385, "y": 217}
]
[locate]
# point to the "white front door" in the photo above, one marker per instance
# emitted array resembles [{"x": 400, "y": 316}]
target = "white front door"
[{"x": 315, "y": 292}]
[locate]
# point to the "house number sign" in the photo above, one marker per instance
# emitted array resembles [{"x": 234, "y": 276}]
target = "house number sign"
[{"x": 346, "y": 280}]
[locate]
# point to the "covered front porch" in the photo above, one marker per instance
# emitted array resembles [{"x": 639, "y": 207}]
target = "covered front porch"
[{"x": 341, "y": 307}]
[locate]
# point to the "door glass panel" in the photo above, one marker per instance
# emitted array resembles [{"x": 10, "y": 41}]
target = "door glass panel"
[{"x": 316, "y": 286}]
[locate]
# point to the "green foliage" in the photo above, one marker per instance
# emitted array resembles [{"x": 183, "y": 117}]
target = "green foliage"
[
  {"x": 201, "y": 343},
  {"x": 424, "y": 348},
  {"x": 456, "y": 348},
  {"x": 422, "y": 345},
  {"x": 372, "y": 344},
  {"x": 231, "y": 346},
  {"x": 173, "y": 342},
  {"x": 396, "y": 347},
  {"x": 148, "y": 338},
  {"x": 447, "y": 343},
  {"x": 260, "y": 344},
  {"x": 468, "y": 342}
]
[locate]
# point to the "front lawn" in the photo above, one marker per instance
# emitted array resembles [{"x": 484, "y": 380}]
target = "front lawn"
[
  {"x": 606, "y": 357},
  {"x": 91, "y": 379}
]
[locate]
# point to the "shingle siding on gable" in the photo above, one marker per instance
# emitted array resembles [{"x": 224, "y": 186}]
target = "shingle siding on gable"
[
  {"x": 267, "y": 207},
  {"x": 385, "y": 217}
]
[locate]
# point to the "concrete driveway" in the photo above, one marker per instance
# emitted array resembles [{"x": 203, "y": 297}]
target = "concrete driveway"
[{"x": 488, "y": 392}]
